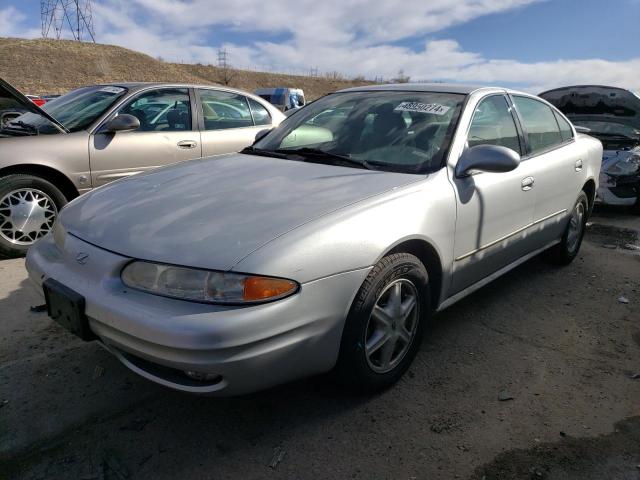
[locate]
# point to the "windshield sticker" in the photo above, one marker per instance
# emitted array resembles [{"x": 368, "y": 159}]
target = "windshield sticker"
[
  {"x": 112, "y": 89},
  {"x": 433, "y": 108}
]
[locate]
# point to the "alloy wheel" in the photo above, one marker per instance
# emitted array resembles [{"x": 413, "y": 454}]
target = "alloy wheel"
[
  {"x": 576, "y": 225},
  {"x": 26, "y": 215},
  {"x": 392, "y": 325}
]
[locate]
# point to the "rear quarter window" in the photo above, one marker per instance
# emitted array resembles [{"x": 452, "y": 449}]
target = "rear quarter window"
[{"x": 565, "y": 129}]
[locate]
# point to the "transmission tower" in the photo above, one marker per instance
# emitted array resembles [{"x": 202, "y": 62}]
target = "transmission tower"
[
  {"x": 59, "y": 16},
  {"x": 223, "y": 58}
]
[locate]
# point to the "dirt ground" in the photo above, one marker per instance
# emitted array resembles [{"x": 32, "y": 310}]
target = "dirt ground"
[{"x": 534, "y": 376}]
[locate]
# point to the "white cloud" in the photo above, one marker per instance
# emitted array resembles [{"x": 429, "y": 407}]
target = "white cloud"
[
  {"x": 11, "y": 24},
  {"x": 354, "y": 37}
]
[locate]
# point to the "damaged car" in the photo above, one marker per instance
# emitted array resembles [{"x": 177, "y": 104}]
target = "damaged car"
[
  {"x": 327, "y": 245},
  {"x": 612, "y": 115},
  {"x": 93, "y": 135}
]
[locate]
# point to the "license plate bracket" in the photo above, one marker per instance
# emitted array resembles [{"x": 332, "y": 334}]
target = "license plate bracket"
[{"x": 66, "y": 307}]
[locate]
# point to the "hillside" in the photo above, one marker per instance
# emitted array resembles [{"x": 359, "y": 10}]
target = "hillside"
[{"x": 56, "y": 66}]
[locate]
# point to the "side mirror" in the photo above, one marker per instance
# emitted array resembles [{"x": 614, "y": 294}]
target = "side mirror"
[
  {"x": 261, "y": 134},
  {"x": 121, "y": 123},
  {"x": 487, "y": 158},
  {"x": 581, "y": 129}
]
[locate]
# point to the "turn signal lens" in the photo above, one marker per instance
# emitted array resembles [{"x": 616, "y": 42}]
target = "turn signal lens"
[{"x": 264, "y": 288}]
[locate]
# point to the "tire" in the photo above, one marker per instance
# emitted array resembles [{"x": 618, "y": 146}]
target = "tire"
[
  {"x": 564, "y": 252},
  {"x": 361, "y": 366},
  {"x": 22, "y": 189}
]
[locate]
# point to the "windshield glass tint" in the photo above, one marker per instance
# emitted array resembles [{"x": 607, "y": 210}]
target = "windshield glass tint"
[
  {"x": 77, "y": 109},
  {"x": 609, "y": 127},
  {"x": 395, "y": 131}
]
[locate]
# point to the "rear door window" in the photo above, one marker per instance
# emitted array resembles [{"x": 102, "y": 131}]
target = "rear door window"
[
  {"x": 539, "y": 123},
  {"x": 224, "y": 110},
  {"x": 260, "y": 114}
]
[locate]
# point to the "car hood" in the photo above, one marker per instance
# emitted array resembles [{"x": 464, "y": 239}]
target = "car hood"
[
  {"x": 213, "y": 212},
  {"x": 596, "y": 102},
  {"x": 12, "y": 99}
]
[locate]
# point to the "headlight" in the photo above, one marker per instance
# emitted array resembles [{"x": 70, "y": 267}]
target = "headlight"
[{"x": 205, "y": 285}]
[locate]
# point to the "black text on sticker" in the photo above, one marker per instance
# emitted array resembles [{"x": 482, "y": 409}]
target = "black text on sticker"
[{"x": 433, "y": 108}]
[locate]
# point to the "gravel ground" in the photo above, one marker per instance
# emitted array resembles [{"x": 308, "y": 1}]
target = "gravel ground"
[{"x": 530, "y": 377}]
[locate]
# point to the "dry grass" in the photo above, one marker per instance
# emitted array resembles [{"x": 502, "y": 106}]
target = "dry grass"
[{"x": 56, "y": 66}]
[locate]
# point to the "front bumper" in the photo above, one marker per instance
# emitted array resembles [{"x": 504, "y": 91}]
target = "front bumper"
[
  {"x": 245, "y": 348},
  {"x": 606, "y": 196}
]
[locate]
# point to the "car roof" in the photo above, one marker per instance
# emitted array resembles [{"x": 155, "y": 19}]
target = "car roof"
[
  {"x": 422, "y": 87},
  {"x": 134, "y": 86}
]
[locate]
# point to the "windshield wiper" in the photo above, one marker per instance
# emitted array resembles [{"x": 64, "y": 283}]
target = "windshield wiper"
[
  {"x": 262, "y": 152},
  {"x": 24, "y": 126},
  {"x": 317, "y": 153}
]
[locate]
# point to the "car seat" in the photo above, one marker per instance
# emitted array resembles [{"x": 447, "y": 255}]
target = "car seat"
[
  {"x": 142, "y": 116},
  {"x": 386, "y": 124}
]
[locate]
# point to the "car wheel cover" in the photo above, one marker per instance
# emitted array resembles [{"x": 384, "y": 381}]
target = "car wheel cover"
[
  {"x": 26, "y": 214},
  {"x": 576, "y": 225},
  {"x": 392, "y": 325}
]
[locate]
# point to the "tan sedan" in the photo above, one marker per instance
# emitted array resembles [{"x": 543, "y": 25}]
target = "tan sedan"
[{"x": 97, "y": 134}]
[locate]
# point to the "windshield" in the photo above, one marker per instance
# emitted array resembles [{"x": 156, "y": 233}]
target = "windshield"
[
  {"x": 608, "y": 127},
  {"x": 395, "y": 131},
  {"x": 76, "y": 110}
]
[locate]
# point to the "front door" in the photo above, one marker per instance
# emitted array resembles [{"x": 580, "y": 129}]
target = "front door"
[
  {"x": 493, "y": 209},
  {"x": 229, "y": 121},
  {"x": 166, "y": 135}
]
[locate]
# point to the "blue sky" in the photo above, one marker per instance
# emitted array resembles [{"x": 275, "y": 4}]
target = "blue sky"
[
  {"x": 532, "y": 44},
  {"x": 579, "y": 29}
]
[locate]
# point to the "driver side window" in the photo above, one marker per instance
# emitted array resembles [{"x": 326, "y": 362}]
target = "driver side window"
[
  {"x": 493, "y": 124},
  {"x": 166, "y": 110}
]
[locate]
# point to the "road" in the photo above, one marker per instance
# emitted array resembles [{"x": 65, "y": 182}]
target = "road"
[{"x": 530, "y": 377}]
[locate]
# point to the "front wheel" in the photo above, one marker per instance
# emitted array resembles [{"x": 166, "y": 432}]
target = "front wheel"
[
  {"x": 564, "y": 252},
  {"x": 385, "y": 325},
  {"x": 28, "y": 207}
]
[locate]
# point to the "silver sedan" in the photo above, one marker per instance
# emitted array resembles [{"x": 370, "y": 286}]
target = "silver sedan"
[{"x": 327, "y": 245}]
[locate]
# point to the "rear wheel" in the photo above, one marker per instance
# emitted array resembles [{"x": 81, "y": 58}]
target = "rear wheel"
[
  {"x": 564, "y": 252},
  {"x": 386, "y": 323},
  {"x": 28, "y": 207}
]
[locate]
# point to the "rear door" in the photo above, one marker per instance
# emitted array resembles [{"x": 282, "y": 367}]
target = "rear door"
[
  {"x": 229, "y": 121},
  {"x": 167, "y": 134},
  {"x": 494, "y": 209},
  {"x": 557, "y": 163}
]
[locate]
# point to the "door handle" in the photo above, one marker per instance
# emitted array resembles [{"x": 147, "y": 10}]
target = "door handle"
[
  {"x": 578, "y": 165},
  {"x": 527, "y": 183},
  {"x": 187, "y": 144}
]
